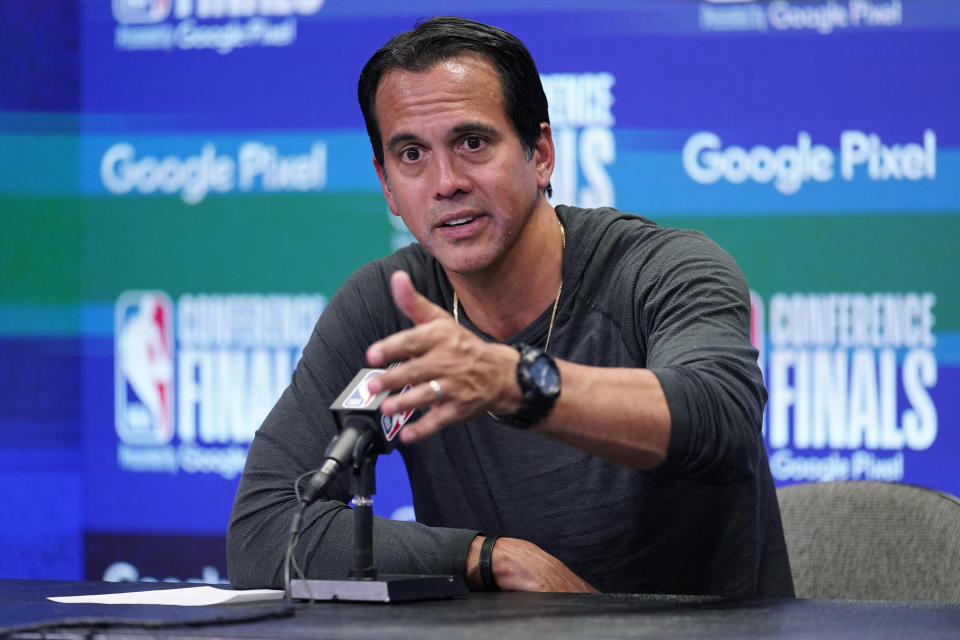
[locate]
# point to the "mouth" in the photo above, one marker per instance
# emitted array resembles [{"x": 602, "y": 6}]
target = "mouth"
[{"x": 459, "y": 222}]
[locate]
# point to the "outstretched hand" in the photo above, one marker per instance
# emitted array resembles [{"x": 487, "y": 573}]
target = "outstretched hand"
[{"x": 472, "y": 376}]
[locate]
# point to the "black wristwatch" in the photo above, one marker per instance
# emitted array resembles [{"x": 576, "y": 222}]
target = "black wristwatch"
[{"x": 539, "y": 380}]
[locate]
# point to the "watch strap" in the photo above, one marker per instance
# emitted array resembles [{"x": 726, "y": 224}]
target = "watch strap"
[{"x": 536, "y": 403}]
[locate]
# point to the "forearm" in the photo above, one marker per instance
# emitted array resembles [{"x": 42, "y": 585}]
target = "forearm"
[
  {"x": 617, "y": 414},
  {"x": 257, "y": 539},
  {"x": 707, "y": 416}
]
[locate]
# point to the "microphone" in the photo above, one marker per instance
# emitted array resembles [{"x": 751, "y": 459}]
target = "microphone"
[{"x": 362, "y": 431}]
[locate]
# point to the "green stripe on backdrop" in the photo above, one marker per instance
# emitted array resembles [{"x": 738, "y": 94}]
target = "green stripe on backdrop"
[
  {"x": 41, "y": 250},
  {"x": 250, "y": 243},
  {"x": 68, "y": 251},
  {"x": 56, "y": 251},
  {"x": 886, "y": 253}
]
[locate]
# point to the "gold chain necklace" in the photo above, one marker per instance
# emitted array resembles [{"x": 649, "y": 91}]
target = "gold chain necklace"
[{"x": 556, "y": 302}]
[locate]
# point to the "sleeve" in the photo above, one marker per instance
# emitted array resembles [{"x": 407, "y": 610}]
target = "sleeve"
[
  {"x": 292, "y": 440},
  {"x": 695, "y": 318}
]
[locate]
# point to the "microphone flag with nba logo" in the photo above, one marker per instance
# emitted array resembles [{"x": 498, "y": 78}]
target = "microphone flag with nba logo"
[
  {"x": 357, "y": 399},
  {"x": 363, "y": 432}
]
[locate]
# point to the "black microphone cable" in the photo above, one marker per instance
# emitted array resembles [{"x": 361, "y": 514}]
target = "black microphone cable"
[{"x": 350, "y": 447}]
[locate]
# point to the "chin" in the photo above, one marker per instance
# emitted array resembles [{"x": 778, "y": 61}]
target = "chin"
[{"x": 461, "y": 265}]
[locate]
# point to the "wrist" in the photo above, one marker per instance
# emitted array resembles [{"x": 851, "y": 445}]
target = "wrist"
[
  {"x": 510, "y": 397},
  {"x": 538, "y": 378},
  {"x": 480, "y": 561},
  {"x": 486, "y": 564},
  {"x": 472, "y": 575}
]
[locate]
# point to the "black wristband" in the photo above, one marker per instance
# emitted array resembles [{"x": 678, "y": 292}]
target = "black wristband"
[{"x": 486, "y": 563}]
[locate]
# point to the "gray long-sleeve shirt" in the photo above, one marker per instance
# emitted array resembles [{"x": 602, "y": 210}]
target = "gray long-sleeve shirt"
[{"x": 634, "y": 295}]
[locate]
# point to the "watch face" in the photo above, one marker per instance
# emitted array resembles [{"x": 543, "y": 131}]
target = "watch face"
[{"x": 545, "y": 375}]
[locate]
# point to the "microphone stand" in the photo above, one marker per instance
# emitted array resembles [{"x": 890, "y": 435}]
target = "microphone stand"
[{"x": 364, "y": 584}]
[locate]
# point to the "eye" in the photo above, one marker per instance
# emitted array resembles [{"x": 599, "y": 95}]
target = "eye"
[
  {"x": 410, "y": 154},
  {"x": 473, "y": 143}
]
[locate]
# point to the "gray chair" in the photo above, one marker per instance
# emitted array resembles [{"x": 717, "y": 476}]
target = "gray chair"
[{"x": 872, "y": 541}]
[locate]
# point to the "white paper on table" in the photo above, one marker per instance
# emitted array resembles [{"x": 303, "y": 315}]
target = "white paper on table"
[{"x": 185, "y": 597}]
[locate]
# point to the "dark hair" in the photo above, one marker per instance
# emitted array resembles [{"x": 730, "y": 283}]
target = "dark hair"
[{"x": 438, "y": 39}]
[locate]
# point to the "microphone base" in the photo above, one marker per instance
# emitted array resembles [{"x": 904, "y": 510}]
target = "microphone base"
[{"x": 386, "y": 588}]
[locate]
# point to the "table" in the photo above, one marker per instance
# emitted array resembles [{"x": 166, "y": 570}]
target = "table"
[{"x": 499, "y": 616}]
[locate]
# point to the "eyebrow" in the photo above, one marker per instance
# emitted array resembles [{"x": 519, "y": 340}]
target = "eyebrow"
[
  {"x": 476, "y": 127},
  {"x": 400, "y": 138}
]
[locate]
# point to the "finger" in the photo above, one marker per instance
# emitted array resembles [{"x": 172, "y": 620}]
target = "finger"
[
  {"x": 433, "y": 421},
  {"x": 422, "y": 395},
  {"x": 410, "y": 302},
  {"x": 405, "y": 345}
]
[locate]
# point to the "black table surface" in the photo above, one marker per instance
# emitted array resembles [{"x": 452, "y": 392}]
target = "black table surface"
[{"x": 499, "y": 616}]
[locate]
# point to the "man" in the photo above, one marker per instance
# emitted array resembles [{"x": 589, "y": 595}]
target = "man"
[{"x": 584, "y": 382}]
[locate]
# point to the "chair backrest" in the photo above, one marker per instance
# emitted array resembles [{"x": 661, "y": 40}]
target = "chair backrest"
[{"x": 872, "y": 541}]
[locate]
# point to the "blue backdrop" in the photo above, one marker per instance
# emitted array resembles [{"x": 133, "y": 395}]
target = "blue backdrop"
[{"x": 184, "y": 183}]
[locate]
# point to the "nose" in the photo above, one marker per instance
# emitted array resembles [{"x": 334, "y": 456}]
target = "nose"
[{"x": 450, "y": 177}]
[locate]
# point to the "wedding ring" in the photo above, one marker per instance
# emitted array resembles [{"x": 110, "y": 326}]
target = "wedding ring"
[{"x": 437, "y": 389}]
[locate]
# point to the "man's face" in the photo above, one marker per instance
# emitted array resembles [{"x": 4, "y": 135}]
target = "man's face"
[{"x": 454, "y": 168}]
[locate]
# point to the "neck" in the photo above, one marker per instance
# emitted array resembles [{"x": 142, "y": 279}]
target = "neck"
[{"x": 510, "y": 294}]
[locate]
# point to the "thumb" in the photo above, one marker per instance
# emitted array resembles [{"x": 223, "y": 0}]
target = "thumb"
[{"x": 410, "y": 302}]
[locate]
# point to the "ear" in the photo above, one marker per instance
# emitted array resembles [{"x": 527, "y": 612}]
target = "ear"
[
  {"x": 545, "y": 155},
  {"x": 385, "y": 186}
]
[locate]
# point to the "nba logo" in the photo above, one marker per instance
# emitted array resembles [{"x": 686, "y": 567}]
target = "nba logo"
[
  {"x": 141, "y": 11},
  {"x": 392, "y": 424},
  {"x": 143, "y": 365},
  {"x": 361, "y": 397}
]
